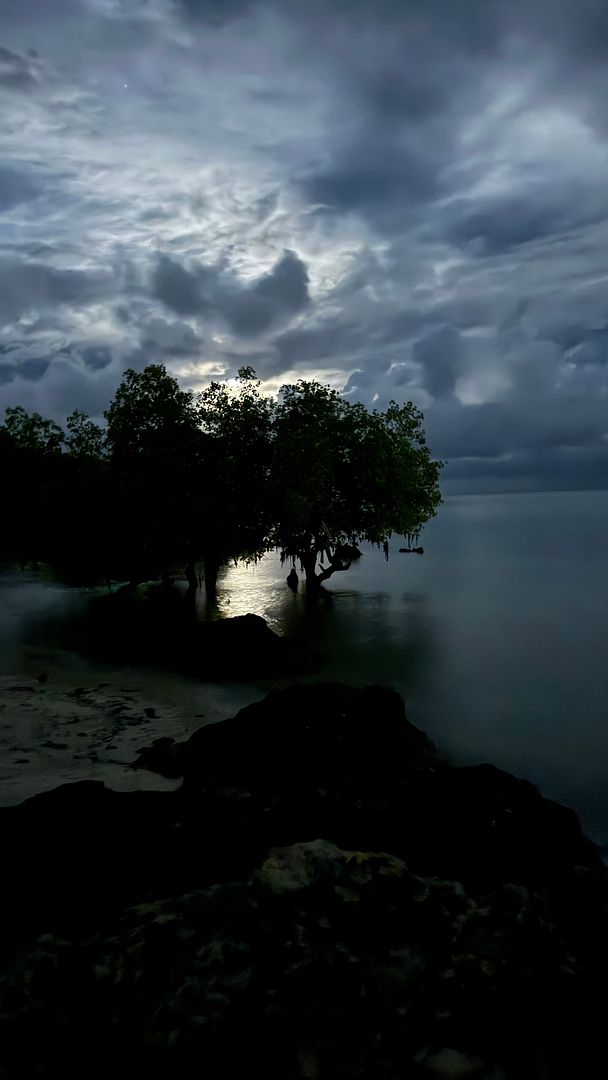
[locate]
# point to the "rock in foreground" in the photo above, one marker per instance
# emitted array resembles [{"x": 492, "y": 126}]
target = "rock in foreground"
[
  {"x": 323, "y": 898},
  {"x": 324, "y": 963}
]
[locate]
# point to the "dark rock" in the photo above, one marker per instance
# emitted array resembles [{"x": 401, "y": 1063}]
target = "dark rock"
[
  {"x": 447, "y": 919},
  {"x": 43, "y": 677},
  {"x": 325, "y": 963},
  {"x": 485, "y": 825},
  {"x": 150, "y": 712},
  {"x": 157, "y": 625},
  {"x": 72, "y": 853},
  {"x": 346, "y": 764},
  {"x": 50, "y": 745},
  {"x": 243, "y": 647},
  {"x": 164, "y": 757},
  {"x": 309, "y": 736}
]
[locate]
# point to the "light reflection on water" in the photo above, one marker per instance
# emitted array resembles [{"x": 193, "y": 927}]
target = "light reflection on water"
[
  {"x": 496, "y": 637},
  {"x": 256, "y": 588},
  {"x": 362, "y": 634}
]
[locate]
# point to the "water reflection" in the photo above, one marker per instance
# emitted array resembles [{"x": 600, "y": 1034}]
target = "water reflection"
[
  {"x": 496, "y": 637},
  {"x": 363, "y": 635}
]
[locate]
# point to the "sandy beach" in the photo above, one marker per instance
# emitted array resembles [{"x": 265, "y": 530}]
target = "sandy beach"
[{"x": 59, "y": 730}]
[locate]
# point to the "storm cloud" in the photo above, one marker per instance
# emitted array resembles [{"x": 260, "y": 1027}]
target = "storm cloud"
[
  {"x": 249, "y": 308},
  {"x": 406, "y": 199}
]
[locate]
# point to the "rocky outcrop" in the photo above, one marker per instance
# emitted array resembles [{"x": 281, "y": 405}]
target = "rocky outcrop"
[
  {"x": 343, "y": 763},
  {"x": 159, "y": 625},
  {"x": 323, "y": 963},
  {"x": 324, "y": 897},
  {"x": 243, "y": 647}
]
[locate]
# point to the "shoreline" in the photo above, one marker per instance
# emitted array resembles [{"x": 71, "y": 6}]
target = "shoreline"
[
  {"x": 77, "y": 724},
  {"x": 323, "y": 897}
]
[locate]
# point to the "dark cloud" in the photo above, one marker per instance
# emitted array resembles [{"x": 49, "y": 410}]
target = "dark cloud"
[
  {"x": 17, "y": 185},
  {"x": 405, "y": 198},
  {"x": 591, "y": 346},
  {"x": 376, "y": 178},
  {"x": 316, "y": 346},
  {"x": 273, "y": 298},
  {"x": 486, "y": 430},
  {"x": 25, "y": 286},
  {"x": 568, "y": 469},
  {"x": 440, "y": 355},
  {"x": 394, "y": 95},
  {"x": 216, "y": 12},
  {"x": 97, "y": 357},
  {"x": 16, "y": 12},
  {"x": 178, "y": 288},
  {"x": 496, "y": 225},
  {"x": 33, "y": 369},
  {"x": 17, "y": 72},
  {"x": 171, "y": 338},
  {"x": 248, "y": 309}
]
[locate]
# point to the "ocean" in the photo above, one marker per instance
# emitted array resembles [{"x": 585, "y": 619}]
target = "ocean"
[{"x": 496, "y": 636}]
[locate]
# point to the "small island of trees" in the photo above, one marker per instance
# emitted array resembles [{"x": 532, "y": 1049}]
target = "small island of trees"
[{"x": 177, "y": 480}]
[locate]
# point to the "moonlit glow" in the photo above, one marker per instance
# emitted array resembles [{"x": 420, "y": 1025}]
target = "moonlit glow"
[{"x": 396, "y": 203}]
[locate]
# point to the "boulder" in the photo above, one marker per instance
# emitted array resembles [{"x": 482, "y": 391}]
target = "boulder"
[
  {"x": 322, "y": 897},
  {"x": 345, "y": 763},
  {"x": 159, "y": 625},
  {"x": 243, "y": 647},
  {"x": 323, "y": 962},
  {"x": 73, "y": 854},
  {"x": 164, "y": 757}
]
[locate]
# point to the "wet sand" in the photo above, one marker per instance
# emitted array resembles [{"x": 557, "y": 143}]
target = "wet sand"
[{"x": 89, "y": 726}]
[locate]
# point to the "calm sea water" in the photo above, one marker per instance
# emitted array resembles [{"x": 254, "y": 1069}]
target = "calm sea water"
[{"x": 496, "y": 636}]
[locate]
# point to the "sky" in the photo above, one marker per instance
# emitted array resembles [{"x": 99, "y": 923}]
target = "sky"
[{"x": 406, "y": 199}]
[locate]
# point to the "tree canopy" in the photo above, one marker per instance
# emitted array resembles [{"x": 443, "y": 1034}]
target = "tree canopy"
[
  {"x": 155, "y": 453},
  {"x": 175, "y": 478},
  {"x": 342, "y": 474},
  {"x": 237, "y": 423}
]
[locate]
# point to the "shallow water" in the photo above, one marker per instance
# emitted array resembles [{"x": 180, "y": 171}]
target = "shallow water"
[
  {"x": 89, "y": 718},
  {"x": 496, "y": 636}
]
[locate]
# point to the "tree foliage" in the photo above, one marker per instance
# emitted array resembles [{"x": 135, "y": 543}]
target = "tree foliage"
[
  {"x": 30, "y": 431},
  {"x": 237, "y": 423},
  {"x": 154, "y": 442},
  {"x": 230, "y": 473},
  {"x": 85, "y": 440},
  {"x": 55, "y": 493},
  {"x": 342, "y": 474}
]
